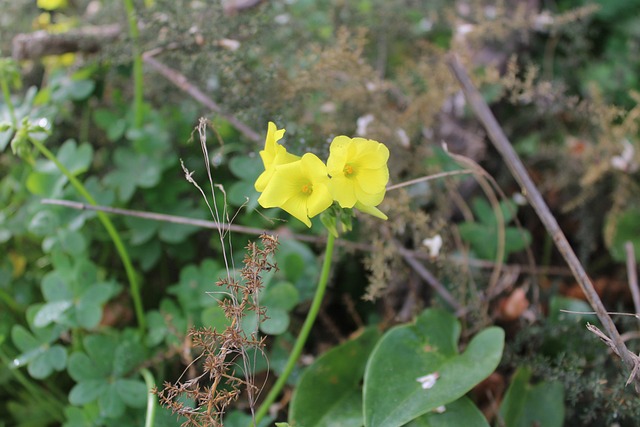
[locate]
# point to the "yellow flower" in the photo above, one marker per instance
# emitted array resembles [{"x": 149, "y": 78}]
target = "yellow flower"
[
  {"x": 300, "y": 187},
  {"x": 273, "y": 155},
  {"x": 51, "y": 4},
  {"x": 359, "y": 173}
]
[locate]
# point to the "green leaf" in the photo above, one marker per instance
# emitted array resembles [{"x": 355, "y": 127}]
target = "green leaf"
[
  {"x": 246, "y": 168},
  {"x": 282, "y": 295},
  {"x": 44, "y": 223},
  {"x": 329, "y": 391},
  {"x": 52, "y": 312},
  {"x": 50, "y": 359},
  {"x": 89, "y": 306},
  {"x": 132, "y": 392},
  {"x": 75, "y": 158},
  {"x": 55, "y": 287},
  {"x": 45, "y": 184},
  {"x": 82, "y": 368},
  {"x": 525, "y": 405},
  {"x": 626, "y": 228},
  {"x": 277, "y": 321},
  {"x": 393, "y": 393},
  {"x": 128, "y": 355},
  {"x": 213, "y": 317},
  {"x": 111, "y": 404},
  {"x": 243, "y": 193},
  {"x": 461, "y": 412},
  {"x": 112, "y": 123},
  {"x": 22, "y": 338},
  {"x": 87, "y": 391}
]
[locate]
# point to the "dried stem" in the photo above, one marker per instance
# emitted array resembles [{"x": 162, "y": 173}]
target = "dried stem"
[{"x": 502, "y": 144}]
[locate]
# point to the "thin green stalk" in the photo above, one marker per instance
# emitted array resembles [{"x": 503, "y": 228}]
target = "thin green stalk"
[
  {"x": 151, "y": 398},
  {"x": 108, "y": 225},
  {"x": 7, "y": 99},
  {"x": 137, "y": 65},
  {"x": 304, "y": 332}
]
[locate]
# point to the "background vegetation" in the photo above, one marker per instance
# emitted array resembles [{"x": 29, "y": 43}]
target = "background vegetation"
[{"x": 96, "y": 308}]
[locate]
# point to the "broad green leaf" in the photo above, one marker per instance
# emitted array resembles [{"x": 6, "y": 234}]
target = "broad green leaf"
[
  {"x": 82, "y": 368},
  {"x": 132, "y": 392},
  {"x": 45, "y": 184},
  {"x": 44, "y": 222},
  {"x": 246, "y": 168},
  {"x": 76, "y": 159},
  {"x": 277, "y": 321},
  {"x": 52, "y": 312},
  {"x": 51, "y": 359},
  {"x": 87, "y": 391},
  {"x": 213, "y": 317},
  {"x": 128, "y": 355},
  {"x": 55, "y": 287},
  {"x": 460, "y": 413},
  {"x": 22, "y": 338},
  {"x": 393, "y": 393},
  {"x": 89, "y": 306},
  {"x": 329, "y": 391},
  {"x": 111, "y": 404},
  {"x": 72, "y": 242},
  {"x": 113, "y": 124},
  {"x": 525, "y": 405},
  {"x": 281, "y": 295}
]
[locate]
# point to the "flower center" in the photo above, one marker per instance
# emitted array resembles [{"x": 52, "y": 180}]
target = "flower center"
[
  {"x": 307, "y": 189},
  {"x": 348, "y": 170}
]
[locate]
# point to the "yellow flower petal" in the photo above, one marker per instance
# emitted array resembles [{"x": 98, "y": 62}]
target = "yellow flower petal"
[
  {"x": 300, "y": 188},
  {"x": 358, "y": 170},
  {"x": 273, "y": 155}
]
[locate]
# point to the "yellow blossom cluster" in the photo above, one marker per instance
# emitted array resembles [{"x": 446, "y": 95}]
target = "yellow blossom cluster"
[{"x": 355, "y": 176}]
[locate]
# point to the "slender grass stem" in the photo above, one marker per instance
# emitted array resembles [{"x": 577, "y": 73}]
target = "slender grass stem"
[
  {"x": 108, "y": 225},
  {"x": 304, "y": 332},
  {"x": 137, "y": 64},
  {"x": 151, "y": 398}
]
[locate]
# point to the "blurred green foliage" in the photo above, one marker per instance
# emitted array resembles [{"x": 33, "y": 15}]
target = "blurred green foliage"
[{"x": 69, "y": 349}]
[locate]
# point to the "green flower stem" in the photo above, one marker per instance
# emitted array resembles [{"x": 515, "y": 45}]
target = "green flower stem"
[
  {"x": 7, "y": 99},
  {"x": 304, "y": 332},
  {"x": 108, "y": 225},
  {"x": 151, "y": 398},
  {"x": 137, "y": 65}
]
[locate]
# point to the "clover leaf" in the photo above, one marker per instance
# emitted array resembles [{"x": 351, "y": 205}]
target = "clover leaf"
[
  {"x": 102, "y": 373},
  {"x": 74, "y": 296},
  {"x": 39, "y": 354}
]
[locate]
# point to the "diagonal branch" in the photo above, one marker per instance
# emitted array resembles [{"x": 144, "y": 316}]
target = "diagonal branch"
[
  {"x": 502, "y": 144},
  {"x": 181, "y": 81}
]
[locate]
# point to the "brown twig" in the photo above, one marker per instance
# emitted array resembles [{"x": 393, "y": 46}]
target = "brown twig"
[
  {"x": 319, "y": 240},
  {"x": 181, "y": 81},
  {"x": 426, "y": 275},
  {"x": 41, "y": 43},
  {"x": 502, "y": 144},
  {"x": 632, "y": 275}
]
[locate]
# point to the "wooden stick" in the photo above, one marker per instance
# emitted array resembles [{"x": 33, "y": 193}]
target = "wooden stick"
[{"x": 528, "y": 188}]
